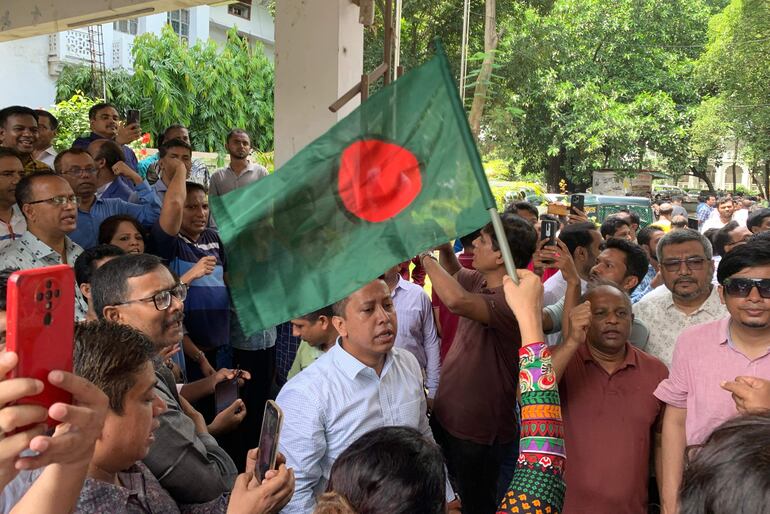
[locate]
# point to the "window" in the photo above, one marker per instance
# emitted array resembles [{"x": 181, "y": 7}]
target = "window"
[
  {"x": 126, "y": 26},
  {"x": 241, "y": 9},
  {"x": 180, "y": 22}
]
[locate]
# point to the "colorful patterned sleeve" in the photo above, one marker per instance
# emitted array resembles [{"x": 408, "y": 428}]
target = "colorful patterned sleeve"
[{"x": 538, "y": 485}]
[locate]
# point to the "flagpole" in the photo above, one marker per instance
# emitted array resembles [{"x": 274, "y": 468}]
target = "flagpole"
[{"x": 478, "y": 169}]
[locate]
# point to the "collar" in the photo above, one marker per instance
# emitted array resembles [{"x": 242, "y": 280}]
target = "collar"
[
  {"x": 630, "y": 360},
  {"x": 353, "y": 367},
  {"x": 400, "y": 285},
  {"x": 711, "y": 305},
  {"x": 250, "y": 167},
  {"x": 39, "y": 249},
  {"x": 727, "y": 338}
]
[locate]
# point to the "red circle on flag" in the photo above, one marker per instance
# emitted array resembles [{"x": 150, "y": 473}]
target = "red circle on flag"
[{"x": 378, "y": 180}]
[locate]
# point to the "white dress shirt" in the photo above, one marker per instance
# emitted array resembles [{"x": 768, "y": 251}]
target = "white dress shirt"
[
  {"x": 417, "y": 330},
  {"x": 335, "y": 401}
]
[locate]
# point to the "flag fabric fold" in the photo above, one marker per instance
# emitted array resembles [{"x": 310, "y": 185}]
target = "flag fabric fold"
[{"x": 399, "y": 175}]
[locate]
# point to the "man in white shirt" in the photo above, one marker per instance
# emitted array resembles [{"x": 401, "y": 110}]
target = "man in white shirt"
[
  {"x": 689, "y": 298},
  {"x": 584, "y": 244},
  {"x": 47, "y": 125},
  {"x": 721, "y": 216},
  {"x": 13, "y": 223},
  {"x": 362, "y": 383}
]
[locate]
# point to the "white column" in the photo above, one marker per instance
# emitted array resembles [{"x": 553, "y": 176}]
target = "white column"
[
  {"x": 319, "y": 55},
  {"x": 199, "y": 23}
]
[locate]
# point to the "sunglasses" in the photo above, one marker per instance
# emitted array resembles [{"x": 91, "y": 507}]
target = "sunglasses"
[{"x": 741, "y": 287}]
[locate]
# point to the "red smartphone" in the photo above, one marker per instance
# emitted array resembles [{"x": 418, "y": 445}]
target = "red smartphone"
[
  {"x": 40, "y": 328},
  {"x": 268, "y": 438}
]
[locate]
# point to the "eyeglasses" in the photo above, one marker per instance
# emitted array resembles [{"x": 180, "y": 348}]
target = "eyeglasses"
[
  {"x": 162, "y": 299},
  {"x": 692, "y": 263},
  {"x": 76, "y": 172},
  {"x": 741, "y": 287},
  {"x": 59, "y": 201}
]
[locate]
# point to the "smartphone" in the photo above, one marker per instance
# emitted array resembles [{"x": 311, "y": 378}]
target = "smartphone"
[
  {"x": 577, "y": 202},
  {"x": 225, "y": 393},
  {"x": 40, "y": 328},
  {"x": 548, "y": 229},
  {"x": 133, "y": 116},
  {"x": 268, "y": 438}
]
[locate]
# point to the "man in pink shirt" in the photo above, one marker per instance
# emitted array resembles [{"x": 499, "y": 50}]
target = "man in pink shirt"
[{"x": 707, "y": 355}]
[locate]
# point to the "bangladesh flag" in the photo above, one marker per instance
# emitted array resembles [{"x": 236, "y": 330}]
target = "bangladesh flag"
[{"x": 399, "y": 175}]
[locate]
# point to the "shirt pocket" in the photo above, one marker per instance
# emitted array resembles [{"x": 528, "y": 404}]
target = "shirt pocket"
[{"x": 409, "y": 413}]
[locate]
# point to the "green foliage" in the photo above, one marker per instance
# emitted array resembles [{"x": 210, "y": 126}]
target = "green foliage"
[
  {"x": 209, "y": 88},
  {"x": 72, "y": 114}
]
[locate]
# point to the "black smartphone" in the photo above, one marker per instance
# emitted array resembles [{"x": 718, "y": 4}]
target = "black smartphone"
[
  {"x": 225, "y": 393},
  {"x": 577, "y": 202},
  {"x": 133, "y": 116},
  {"x": 268, "y": 438},
  {"x": 548, "y": 229}
]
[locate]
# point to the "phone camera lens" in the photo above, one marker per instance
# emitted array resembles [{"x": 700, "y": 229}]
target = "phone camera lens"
[{"x": 47, "y": 318}]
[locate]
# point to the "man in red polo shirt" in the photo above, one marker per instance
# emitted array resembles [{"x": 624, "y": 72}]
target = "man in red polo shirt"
[{"x": 611, "y": 418}]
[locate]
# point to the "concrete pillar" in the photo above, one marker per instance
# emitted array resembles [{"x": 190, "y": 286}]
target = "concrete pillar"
[
  {"x": 199, "y": 24},
  {"x": 319, "y": 55}
]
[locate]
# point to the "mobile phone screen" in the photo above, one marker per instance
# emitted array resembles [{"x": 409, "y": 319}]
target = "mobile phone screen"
[
  {"x": 268, "y": 439},
  {"x": 225, "y": 393},
  {"x": 132, "y": 116}
]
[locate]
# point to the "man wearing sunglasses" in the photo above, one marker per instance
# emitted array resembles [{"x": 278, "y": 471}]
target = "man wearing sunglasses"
[
  {"x": 50, "y": 207},
  {"x": 713, "y": 354},
  {"x": 688, "y": 298}
]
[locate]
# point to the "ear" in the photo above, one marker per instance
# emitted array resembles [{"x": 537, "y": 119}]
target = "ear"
[
  {"x": 111, "y": 313},
  {"x": 499, "y": 259},
  {"x": 86, "y": 290},
  {"x": 324, "y": 321},
  {"x": 721, "y": 291},
  {"x": 340, "y": 325},
  {"x": 27, "y": 210},
  {"x": 581, "y": 252},
  {"x": 629, "y": 282}
]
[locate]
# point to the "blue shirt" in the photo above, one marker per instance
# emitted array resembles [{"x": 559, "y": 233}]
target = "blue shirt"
[
  {"x": 147, "y": 212},
  {"x": 207, "y": 307},
  {"x": 130, "y": 156},
  {"x": 119, "y": 188},
  {"x": 645, "y": 286}
]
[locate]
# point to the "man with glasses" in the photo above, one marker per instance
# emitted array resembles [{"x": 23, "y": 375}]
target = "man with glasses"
[
  {"x": 137, "y": 290},
  {"x": 689, "y": 297},
  {"x": 50, "y": 208},
  {"x": 13, "y": 223},
  {"x": 712, "y": 355},
  {"x": 78, "y": 168}
]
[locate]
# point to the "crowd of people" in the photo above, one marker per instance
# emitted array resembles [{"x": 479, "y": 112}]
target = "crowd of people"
[{"x": 397, "y": 401}]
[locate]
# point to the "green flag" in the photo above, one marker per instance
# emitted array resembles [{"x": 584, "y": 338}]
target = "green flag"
[{"x": 399, "y": 175}]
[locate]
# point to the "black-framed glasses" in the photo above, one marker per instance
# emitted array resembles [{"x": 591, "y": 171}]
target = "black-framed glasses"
[
  {"x": 741, "y": 287},
  {"x": 59, "y": 201},
  {"x": 692, "y": 263},
  {"x": 76, "y": 172},
  {"x": 162, "y": 299}
]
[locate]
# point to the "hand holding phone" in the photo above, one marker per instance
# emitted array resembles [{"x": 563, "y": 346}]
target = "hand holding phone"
[
  {"x": 577, "y": 203},
  {"x": 40, "y": 329},
  {"x": 133, "y": 116},
  {"x": 268, "y": 438}
]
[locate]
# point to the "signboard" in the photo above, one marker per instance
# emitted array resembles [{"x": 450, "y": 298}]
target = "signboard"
[{"x": 607, "y": 183}]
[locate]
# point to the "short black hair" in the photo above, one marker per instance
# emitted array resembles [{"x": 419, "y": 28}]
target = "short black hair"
[
  {"x": 108, "y": 227},
  {"x": 84, "y": 264},
  {"x": 611, "y": 225},
  {"x": 740, "y": 447},
  {"x": 756, "y": 218},
  {"x": 174, "y": 126},
  {"x": 15, "y": 110},
  {"x": 577, "y": 234},
  {"x": 109, "y": 283},
  {"x": 194, "y": 186},
  {"x": 110, "y": 355},
  {"x": 4, "y": 275},
  {"x": 312, "y": 317},
  {"x": 637, "y": 263},
  {"x": 235, "y": 131},
  {"x": 521, "y": 236},
  {"x": 724, "y": 199},
  {"x": 110, "y": 151},
  {"x": 393, "y": 470},
  {"x": 51, "y": 118},
  {"x": 27, "y": 182},
  {"x": 94, "y": 110},
  {"x": 10, "y": 152},
  {"x": 635, "y": 219},
  {"x": 754, "y": 253},
  {"x": 467, "y": 239},
  {"x": 722, "y": 238},
  {"x": 69, "y": 151},
  {"x": 645, "y": 235},
  {"x": 172, "y": 143},
  {"x": 515, "y": 207}
]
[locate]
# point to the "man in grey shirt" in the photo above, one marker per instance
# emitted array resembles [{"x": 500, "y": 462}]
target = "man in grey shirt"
[
  {"x": 240, "y": 171},
  {"x": 139, "y": 291}
]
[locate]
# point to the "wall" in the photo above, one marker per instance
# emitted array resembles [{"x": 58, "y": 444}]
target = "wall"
[
  {"x": 28, "y": 82},
  {"x": 260, "y": 27}
]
